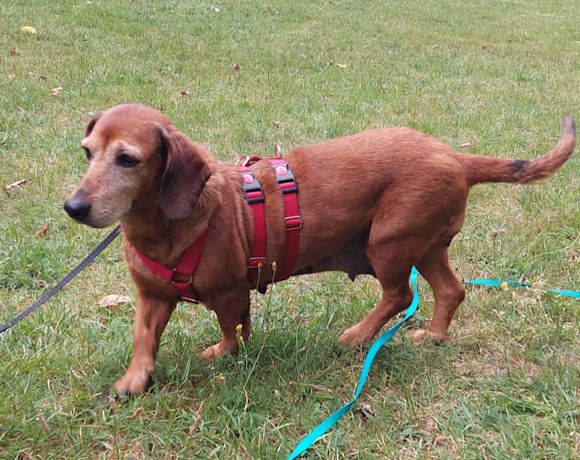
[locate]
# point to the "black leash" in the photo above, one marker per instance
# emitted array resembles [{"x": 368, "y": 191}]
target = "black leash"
[{"x": 63, "y": 282}]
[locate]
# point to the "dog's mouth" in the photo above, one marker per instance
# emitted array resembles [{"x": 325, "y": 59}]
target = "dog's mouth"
[
  {"x": 83, "y": 216},
  {"x": 91, "y": 212}
]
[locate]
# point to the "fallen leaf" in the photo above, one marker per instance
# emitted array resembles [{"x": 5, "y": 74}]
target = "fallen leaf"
[
  {"x": 114, "y": 300},
  {"x": 18, "y": 183},
  {"x": 184, "y": 93},
  {"x": 56, "y": 91},
  {"x": 29, "y": 30},
  {"x": 366, "y": 410},
  {"x": 14, "y": 51},
  {"x": 467, "y": 145},
  {"x": 237, "y": 67},
  {"x": 42, "y": 230},
  {"x": 43, "y": 78},
  {"x": 215, "y": 9}
]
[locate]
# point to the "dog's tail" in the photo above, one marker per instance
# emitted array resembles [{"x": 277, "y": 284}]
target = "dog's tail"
[{"x": 480, "y": 168}]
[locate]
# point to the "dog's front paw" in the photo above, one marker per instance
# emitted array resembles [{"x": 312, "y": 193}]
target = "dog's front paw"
[
  {"x": 354, "y": 337},
  {"x": 421, "y": 335},
  {"x": 133, "y": 382}
]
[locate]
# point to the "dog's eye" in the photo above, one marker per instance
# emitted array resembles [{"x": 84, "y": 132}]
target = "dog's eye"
[
  {"x": 126, "y": 161},
  {"x": 87, "y": 153}
]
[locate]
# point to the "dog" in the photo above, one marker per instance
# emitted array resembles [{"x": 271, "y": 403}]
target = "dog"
[{"x": 378, "y": 202}]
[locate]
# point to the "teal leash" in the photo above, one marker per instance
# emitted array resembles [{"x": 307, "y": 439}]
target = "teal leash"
[
  {"x": 327, "y": 424},
  {"x": 501, "y": 283},
  {"x": 317, "y": 432}
]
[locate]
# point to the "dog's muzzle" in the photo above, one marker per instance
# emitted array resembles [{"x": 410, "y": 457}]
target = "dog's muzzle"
[{"x": 77, "y": 207}]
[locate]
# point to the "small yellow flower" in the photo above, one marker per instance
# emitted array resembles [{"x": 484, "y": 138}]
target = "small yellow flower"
[
  {"x": 239, "y": 335},
  {"x": 504, "y": 285}
]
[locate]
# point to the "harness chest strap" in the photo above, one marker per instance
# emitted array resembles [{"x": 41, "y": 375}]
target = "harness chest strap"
[
  {"x": 182, "y": 275},
  {"x": 292, "y": 220},
  {"x": 255, "y": 198}
]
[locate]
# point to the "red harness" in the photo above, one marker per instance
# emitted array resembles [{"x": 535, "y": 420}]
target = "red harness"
[{"x": 182, "y": 275}]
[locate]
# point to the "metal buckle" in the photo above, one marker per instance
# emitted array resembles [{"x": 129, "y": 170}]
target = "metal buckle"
[
  {"x": 289, "y": 224},
  {"x": 189, "y": 299},
  {"x": 187, "y": 282},
  {"x": 258, "y": 261}
]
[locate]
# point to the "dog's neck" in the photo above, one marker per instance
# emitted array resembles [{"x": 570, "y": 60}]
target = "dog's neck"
[{"x": 147, "y": 228}]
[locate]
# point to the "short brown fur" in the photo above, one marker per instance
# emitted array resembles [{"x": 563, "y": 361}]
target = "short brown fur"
[{"x": 400, "y": 201}]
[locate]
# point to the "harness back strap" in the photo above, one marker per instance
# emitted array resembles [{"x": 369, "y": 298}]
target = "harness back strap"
[{"x": 182, "y": 275}]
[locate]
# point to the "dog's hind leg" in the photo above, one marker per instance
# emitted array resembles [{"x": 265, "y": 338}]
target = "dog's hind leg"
[
  {"x": 396, "y": 297},
  {"x": 449, "y": 292},
  {"x": 232, "y": 308},
  {"x": 392, "y": 268},
  {"x": 150, "y": 321}
]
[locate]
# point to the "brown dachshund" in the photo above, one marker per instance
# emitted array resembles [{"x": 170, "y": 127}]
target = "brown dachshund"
[{"x": 375, "y": 203}]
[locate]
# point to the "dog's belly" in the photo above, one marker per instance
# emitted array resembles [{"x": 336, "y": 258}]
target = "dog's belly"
[{"x": 351, "y": 259}]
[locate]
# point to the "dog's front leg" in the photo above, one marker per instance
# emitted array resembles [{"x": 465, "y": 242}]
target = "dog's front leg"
[
  {"x": 150, "y": 321},
  {"x": 232, "y": 308}
]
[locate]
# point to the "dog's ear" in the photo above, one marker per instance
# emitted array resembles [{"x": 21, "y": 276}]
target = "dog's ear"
[
  {"x": 184, "y": 176},
  {"x": 92, "y": 123}
]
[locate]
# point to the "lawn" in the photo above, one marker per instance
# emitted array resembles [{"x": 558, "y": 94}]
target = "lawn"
[{"x": 490, "y": 77}]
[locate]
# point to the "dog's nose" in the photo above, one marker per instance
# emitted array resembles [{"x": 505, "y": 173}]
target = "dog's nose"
[{"x": 77, "y": 207}]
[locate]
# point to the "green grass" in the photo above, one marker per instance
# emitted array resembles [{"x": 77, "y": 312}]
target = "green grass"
[{"x": 497, "y": 74}]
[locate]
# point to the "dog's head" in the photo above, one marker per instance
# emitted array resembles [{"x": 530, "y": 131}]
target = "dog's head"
[{"x": 137, "y": 161}]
